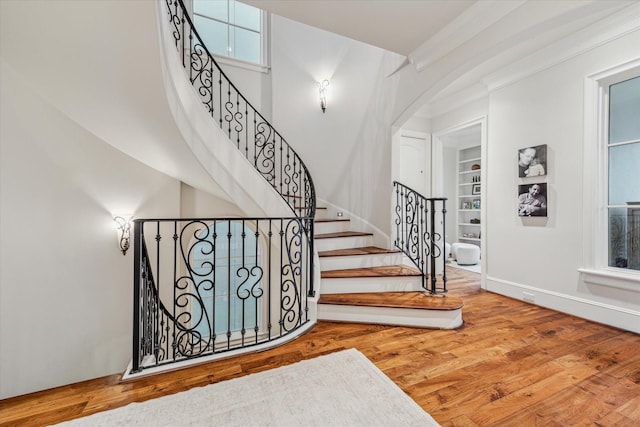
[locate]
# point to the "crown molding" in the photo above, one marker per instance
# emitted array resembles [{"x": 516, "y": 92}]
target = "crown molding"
[
  {"x": 457, "y": 100},
  {"x": 617, "y": 25}
]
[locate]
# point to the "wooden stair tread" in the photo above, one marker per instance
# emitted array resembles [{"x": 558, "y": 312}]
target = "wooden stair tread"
[
  {"x": 382, "y": 271},
  {"x": 366, "y": 250},
  {"x": 413, "y": 300},
  {"x": 306, "y": 207},
  {"x": 342, "y": 234},
  {"x": 332, "y": 219}
]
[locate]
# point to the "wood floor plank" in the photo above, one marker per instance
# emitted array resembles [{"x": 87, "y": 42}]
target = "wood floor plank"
[{"x": 511, "y": 364}]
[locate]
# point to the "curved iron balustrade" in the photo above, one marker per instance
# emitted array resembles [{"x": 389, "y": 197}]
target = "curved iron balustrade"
[
  {"x": 416, "y": 235},
  {"x": 270, "y": 289},
  {"x": 253, "y": 135},
  {"x": 232, "y": 282}
]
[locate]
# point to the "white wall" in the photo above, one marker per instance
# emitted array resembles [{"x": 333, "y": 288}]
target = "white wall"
[
  {"x": 66, "y": 288},
  {"x": 450, "y": 191},
  {"x": 347, "y": 149},
  {"x": 542, "y": 256},
  {"x": 537, "y": 255},
  {"x": 199, "y": 204}
]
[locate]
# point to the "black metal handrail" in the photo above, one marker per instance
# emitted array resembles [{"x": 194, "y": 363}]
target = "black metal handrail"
[
  {"x": 262, "y": 145},
  {"x": 234, "y": 287},
  {"x": 207, "y": 286},
  {"x": 416, "y": 235}
]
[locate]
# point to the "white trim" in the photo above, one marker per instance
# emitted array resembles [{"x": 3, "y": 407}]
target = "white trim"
[
  {"x": 265, "y": 36},
  {"x": 607, "y": 314},
  {"x": 127, "y": 375},
  {"x": 606, "y": 30},
  {"x": 613, "y": 278},
  {"x": 420, "y": 318},
  {"x": 595, "y": 171},
  {"x": 470, "y": 23},
  {"x": 439, "y": 107},
  {"x": 251, "y": 66},
  {"x": 482, "y": 121}
]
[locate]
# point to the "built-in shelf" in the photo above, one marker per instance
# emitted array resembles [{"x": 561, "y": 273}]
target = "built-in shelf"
[
  {"x": 469, "y": 158},
  {"x": 477, "y": 159}
]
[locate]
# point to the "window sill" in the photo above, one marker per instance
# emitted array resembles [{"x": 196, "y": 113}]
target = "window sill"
[
  {"x": 629, "y": 281},
  {"x": 241, "y": 64}
]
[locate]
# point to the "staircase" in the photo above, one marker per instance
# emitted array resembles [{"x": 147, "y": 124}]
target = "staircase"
[{"x": 366, "y": 284}]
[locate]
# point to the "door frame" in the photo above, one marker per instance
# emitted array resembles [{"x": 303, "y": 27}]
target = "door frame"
[{"x": 437, "y": 145}]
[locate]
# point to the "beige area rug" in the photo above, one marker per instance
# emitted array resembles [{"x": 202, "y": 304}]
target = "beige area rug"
[{"x": 341, "y": 389}]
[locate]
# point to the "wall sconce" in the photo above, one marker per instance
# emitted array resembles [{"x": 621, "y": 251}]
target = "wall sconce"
[
  {"x": 322, "y": 86},
  {"x": 124, "y": 231}
]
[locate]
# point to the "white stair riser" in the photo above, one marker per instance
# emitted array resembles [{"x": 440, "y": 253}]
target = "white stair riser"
[
  {"x": 436, "y": 319},
  {"x": 331, "y": 227},
  {"x": 359, "y": 261},
  {"x": 343, "y": 243},
  {"x": 321, "y": 213},
  {"x": 371, "y": 284}
]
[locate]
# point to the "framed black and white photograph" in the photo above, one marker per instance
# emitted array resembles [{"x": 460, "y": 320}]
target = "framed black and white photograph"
[
  {"x": 532, "y": 199},
  {"x": 475, "y": 189},
  {"x": 532, "y": 161}
]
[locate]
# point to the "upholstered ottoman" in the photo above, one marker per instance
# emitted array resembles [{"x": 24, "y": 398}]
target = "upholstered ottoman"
[{"x": 466, "y": 253}]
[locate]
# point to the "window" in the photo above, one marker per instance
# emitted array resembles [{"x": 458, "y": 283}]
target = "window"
[
  {"x": 231, "y": 29},
  {"x": 228, "y": 280},
  {"x": 610, "y": 178},
  {"x": 623, "y": 166}
]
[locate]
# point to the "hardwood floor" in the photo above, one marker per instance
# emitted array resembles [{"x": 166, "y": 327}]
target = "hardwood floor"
[{"x": 511, "y": 364}]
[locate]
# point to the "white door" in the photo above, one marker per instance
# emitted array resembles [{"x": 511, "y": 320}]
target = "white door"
[{"x": 415, "y": 164}]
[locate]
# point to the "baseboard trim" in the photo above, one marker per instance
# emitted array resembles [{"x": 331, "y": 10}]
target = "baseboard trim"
[{"x": 599, "y": 312}]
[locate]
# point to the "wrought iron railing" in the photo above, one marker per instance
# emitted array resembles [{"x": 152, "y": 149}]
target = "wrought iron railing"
[
  {"x": 207, "y": 286},
  {"x": 253, "y": 135},
  {"x": 420, "y": 231}
]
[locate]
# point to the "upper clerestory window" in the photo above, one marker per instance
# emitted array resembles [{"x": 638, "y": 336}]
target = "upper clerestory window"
[{"x": 232, "y": 29}]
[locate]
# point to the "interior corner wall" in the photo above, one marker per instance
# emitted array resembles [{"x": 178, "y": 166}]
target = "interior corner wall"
[
  {"x": 200, "y": 204},
  {"x": 348, "y": 148},
  {"x": 65, "y": 287},
  {"x": 541, "y": 256}
]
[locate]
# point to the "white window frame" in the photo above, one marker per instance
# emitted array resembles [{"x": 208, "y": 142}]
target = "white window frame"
[
  {"x": 265, "y": 32},
  {"x": 596, "y": 268}
]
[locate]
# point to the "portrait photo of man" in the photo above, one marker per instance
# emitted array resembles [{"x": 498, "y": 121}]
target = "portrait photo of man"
[
  {"x": 532, "y": 199},
  {"x": 532, "y": 161}
]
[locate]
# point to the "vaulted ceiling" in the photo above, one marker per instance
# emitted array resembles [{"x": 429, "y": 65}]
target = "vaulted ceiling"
[{"x": 451, "y": 46}]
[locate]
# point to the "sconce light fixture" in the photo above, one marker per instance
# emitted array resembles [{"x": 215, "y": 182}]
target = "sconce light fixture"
[
  {"x": 124, "y": 230},
  {"x": 323, "y": 94}
]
